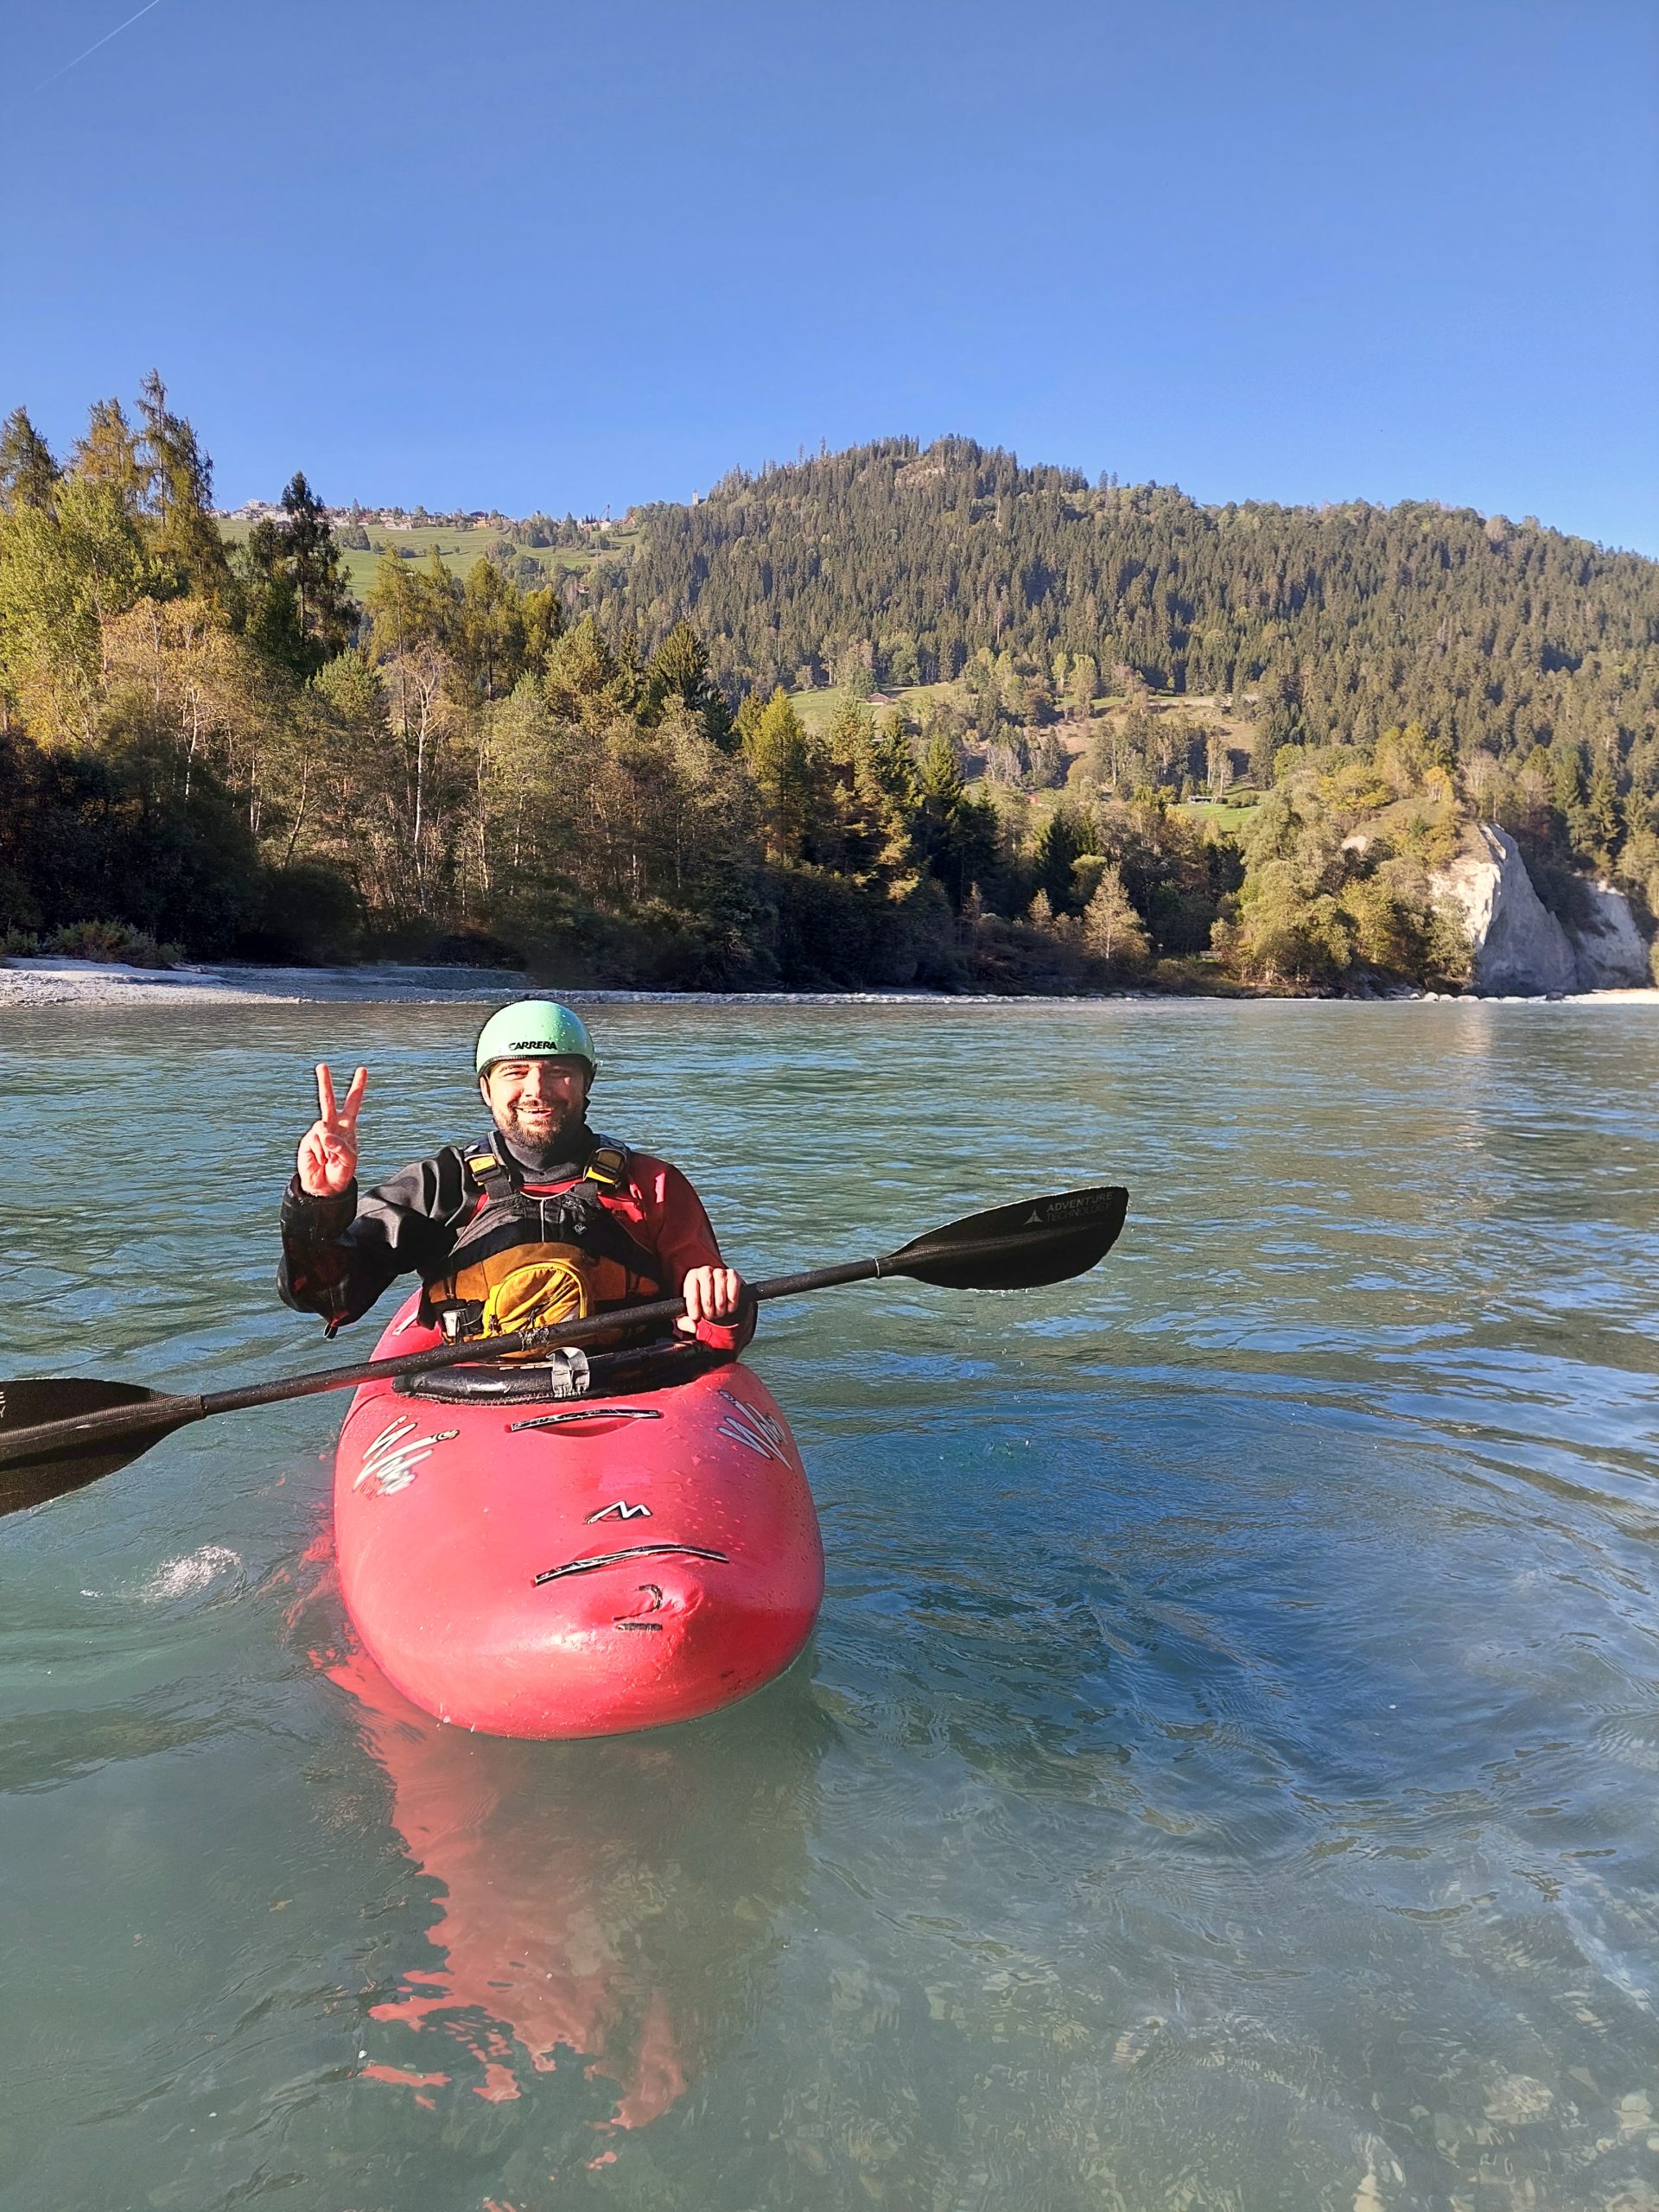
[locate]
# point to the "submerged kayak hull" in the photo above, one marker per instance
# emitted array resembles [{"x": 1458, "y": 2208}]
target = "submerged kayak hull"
[{"x": 575, "y": 1569}]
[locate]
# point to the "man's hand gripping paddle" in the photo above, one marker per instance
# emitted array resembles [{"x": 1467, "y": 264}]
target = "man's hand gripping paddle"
[{"x": 58, "y": 1436}]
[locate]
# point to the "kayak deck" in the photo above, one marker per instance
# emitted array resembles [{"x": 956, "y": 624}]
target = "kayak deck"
[{"x": 579, "y": 1567}]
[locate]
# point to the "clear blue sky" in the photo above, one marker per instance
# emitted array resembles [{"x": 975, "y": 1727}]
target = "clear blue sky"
[{"x": 506, "y": 253}]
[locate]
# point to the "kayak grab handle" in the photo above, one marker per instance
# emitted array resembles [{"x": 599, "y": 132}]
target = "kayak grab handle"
[{"x": 587, "y": 1413}]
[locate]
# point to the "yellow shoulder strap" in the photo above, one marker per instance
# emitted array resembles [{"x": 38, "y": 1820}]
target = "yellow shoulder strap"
[
  {"x": 490, "y": 1177},
  {"x": 608, "y": 1167}
]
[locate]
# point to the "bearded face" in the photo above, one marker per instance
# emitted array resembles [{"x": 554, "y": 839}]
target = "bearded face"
[{"x": 538, "y": 1105}]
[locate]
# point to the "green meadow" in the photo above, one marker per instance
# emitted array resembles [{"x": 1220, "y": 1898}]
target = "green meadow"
[{"x": 458, "y": 549}]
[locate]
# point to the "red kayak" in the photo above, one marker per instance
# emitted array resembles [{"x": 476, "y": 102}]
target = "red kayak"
[{"x": 575, "y": 1566}]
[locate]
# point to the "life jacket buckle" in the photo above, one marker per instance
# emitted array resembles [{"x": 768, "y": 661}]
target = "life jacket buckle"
[{"x": 607, "y": 1168}]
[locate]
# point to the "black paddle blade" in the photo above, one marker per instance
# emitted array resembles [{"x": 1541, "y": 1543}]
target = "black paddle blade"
[
  {"x": 60, "y": 1461},
  {"x": 1018, "y": 1247}
]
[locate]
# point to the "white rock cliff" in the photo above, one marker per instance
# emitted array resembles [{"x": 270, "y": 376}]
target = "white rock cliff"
[
  {"x": 1520, "y": 949},
  {"x": 1611, "y": 956}
]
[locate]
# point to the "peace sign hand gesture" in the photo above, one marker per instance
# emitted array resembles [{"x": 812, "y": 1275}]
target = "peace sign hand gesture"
[{"x": 327, "y": 1159}]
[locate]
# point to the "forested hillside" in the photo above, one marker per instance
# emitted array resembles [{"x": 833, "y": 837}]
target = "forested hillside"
[
  {"x": 1344, "y": 620},
  {"x": 883, "y": 717}
]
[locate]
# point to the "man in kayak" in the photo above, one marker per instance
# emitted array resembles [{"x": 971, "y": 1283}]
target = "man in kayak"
[{"x": 543, "y": 1222}]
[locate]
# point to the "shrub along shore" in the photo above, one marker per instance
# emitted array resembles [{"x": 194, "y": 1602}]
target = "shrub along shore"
[{"x": 1096, "y": 737}]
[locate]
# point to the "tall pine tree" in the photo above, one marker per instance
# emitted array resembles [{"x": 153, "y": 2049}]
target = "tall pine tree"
[
  {"x": 184, "y": 538},
  {"x": 28, "y": 474}
]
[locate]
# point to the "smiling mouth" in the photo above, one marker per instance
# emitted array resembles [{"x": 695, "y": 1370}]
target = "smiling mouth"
[{"x": 634, "y": 1551}]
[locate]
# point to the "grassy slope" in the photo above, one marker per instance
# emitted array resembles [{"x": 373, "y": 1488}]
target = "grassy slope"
[
  {"x": 456, "y": 548},
  {"x": 817, "y": 709}
]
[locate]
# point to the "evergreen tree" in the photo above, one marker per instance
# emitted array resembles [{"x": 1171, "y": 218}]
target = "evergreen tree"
[
  {"x": 894, "y": 765},
  {"x": 959, "y": 837},
  {"x": 1062, "y": 844},
  {"x": 1082, "y": 682},
  {"x": 1112, "y": 931},
  {"x": 783, "y": 761},
  {"x": 28, "y": 474},
  {"x": 584, "y": 680},
  {"x": 298, "y": 606},
  {"x": 1217, "y": 763},
  {"x": 185, "y": 543},
  {"x": 1601, "y": 811},
  {"x": 108, "y": 453},
  {"x": 328, "y": 614},
  {"x": 679, "y": 669},
  {"x": 543, "y": 612},
  {"x": 940, "y": 785},
  {"x": 747, "y": 720},
  {"x": 490, "y": 636}
]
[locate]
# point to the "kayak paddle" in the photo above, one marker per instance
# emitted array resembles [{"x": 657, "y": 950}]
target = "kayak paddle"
[{"x": 56, "y": 1436}]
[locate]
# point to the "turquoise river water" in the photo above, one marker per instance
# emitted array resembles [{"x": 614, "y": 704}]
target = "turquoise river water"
[{"x": 1225, "y": 1772}]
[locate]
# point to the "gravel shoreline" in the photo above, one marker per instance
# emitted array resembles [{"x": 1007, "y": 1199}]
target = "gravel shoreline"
[
  {"x": 62, "y": 983},
  {"x": 49, "y": 981}
]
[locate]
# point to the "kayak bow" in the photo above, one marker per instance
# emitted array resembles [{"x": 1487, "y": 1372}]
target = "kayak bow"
[{"x": 577, "y": 1570}]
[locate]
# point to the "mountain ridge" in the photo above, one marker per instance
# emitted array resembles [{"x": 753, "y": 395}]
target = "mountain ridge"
[{"x": 1357, "y": 615}]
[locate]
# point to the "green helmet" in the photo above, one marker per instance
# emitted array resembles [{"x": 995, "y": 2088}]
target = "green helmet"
[{"x": 534, "y": 1029}]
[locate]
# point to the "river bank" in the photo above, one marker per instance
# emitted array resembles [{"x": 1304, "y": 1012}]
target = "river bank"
[{"x": 63, "y": 982}]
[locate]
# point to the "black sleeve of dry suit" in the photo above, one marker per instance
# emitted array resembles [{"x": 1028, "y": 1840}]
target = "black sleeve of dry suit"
[{"x": 340, "y": 1254}]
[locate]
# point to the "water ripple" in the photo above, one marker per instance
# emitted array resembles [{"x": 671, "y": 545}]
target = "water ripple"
[{"x": 1223, "y": 1775}]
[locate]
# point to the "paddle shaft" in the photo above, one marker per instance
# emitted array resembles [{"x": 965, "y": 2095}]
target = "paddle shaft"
[
  {"x": 1052, "y": 1223},
  {"x": 169, "y": 1413},
  {"x": 560, "y": 1334}
]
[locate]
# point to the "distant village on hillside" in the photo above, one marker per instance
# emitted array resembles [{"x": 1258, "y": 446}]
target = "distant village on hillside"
[{"x": 398, "y": 517}]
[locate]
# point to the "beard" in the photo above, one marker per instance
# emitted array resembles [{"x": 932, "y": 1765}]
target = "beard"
[{"x": 543, "y": 1143}]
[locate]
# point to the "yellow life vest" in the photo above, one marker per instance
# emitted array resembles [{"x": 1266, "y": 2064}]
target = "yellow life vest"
[{"x": 528, "y": 1258}]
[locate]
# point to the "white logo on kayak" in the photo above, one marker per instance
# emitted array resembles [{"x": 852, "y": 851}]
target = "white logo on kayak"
[
  {"x": 620, "y": 1512},
  {"x": 389, "y": 1464},
  {"x": 761, "y": 1432}
]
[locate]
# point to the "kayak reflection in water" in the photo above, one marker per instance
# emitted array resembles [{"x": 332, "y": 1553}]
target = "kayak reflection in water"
[
  {"x": 543, "y": 1221},
  {"x": 612, "y": 1901}
]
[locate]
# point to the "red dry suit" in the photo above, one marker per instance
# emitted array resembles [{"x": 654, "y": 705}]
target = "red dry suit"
[{"x": 627, "y": 1226}]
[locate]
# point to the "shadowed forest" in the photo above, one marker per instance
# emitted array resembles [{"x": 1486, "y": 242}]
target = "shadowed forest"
[{"x": 884, "y": 717}]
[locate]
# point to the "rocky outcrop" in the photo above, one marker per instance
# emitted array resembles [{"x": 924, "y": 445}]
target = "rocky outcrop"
[
  {"x": 1518, "y": 945},
  {"x": 1611, "y": 954},
  {"x": 1520, "y": 949}
]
